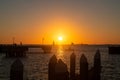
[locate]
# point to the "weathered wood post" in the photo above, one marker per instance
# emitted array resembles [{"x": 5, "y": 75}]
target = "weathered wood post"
[
  {"x": 51, "y": 68},
  {"x": 83, "y": 68},
  {"x": 16, "y": 72},
  {"x": 72, "y": 66},
  {"x": 61, "y": 71},
  {"x": 97, "y": 65}
]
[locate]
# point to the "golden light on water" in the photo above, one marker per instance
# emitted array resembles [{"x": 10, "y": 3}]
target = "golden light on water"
[{"x": 60, "y": 53}]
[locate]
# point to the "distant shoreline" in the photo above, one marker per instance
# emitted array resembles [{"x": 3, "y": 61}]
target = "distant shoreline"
[{"x": 66, "y": 44}]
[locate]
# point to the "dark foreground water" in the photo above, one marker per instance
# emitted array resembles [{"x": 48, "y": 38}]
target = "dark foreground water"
[{"x": 36, "y": 65}]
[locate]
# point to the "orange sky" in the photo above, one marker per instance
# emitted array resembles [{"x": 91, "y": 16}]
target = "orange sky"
[{"x": 89, "y": 22}]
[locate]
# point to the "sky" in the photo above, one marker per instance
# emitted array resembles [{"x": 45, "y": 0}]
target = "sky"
[{"x": 78, "y": 21}]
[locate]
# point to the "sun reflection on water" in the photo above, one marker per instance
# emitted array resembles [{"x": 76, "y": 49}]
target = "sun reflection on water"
[{"x": 60, "y": 53}]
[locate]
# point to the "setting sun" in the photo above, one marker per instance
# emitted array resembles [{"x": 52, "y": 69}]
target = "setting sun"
[{"x": 60, "y": 38}]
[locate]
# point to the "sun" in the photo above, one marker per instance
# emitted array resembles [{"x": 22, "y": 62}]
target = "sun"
[{"x": 60, "y": 38}]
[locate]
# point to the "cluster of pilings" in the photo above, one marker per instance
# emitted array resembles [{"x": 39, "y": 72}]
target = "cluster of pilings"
[{"x": 57, "y": 69}]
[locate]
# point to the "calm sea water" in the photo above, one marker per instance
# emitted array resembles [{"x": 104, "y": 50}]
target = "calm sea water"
[{"x": 36, "y": 65}]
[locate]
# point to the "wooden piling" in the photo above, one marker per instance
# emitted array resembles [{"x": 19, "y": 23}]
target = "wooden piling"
[
  {"x": 16, "y": 72},
  {"x": 97, "y": 65},
  {"x": 61, "y": 71},
  {"x": 72, "y": 66},
  {"x": 51, "y": 68},
  {"x": 83, "y": 68}
]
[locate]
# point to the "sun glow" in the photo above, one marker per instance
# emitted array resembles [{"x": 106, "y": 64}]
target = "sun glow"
[{"x": 60, "y": 38}]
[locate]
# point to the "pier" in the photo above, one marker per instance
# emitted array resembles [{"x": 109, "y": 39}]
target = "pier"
[
  {"x": 13, "y": 50},
  {"x": 114, "y": 49}
]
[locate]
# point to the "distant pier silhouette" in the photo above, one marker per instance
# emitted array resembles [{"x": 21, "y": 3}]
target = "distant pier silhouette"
[
  {"x": 15, "y": 50},
  {"x": 114, "y": 49}
]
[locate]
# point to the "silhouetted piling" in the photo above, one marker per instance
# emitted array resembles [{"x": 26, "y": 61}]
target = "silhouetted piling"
[
  {"x": 16, "y": 72},
  {"x": 58, "y": 69},
  {"x": 51, "y": 68},
  {"x": 97, "y": 65},
  {"x": 61, "y": 71},
  {"x": 83, "y": 68},
  {"x": 72, "y": 66}
]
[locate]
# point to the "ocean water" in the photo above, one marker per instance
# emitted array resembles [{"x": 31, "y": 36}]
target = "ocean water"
[{"x": 36, "y": 62}]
